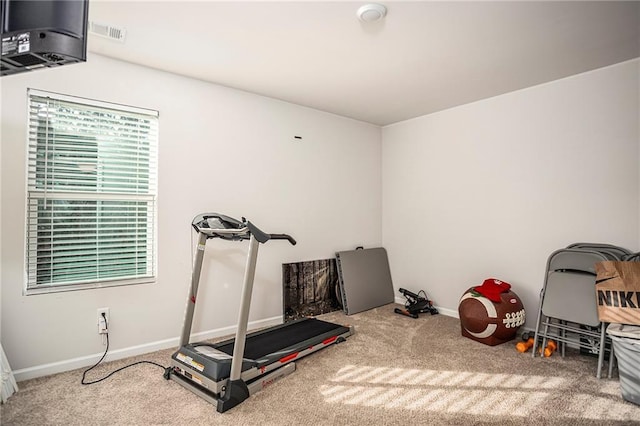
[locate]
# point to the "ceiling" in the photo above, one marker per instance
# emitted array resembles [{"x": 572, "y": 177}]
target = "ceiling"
[{"x": 422, "y": 58}]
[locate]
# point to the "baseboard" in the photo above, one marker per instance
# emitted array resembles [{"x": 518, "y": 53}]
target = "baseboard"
[
  {"x": 86, "y": 361},
  {"x": 448, "y": 312},
  {"x": 443, "y": 311}
]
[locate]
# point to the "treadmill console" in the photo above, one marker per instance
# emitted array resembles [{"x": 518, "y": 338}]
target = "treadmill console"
[{"x": 216, "y": 225}]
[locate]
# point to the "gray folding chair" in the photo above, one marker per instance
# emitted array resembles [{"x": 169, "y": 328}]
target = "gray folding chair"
[
  {"x": 619, "y": 253},
  {"x": 567, "y": 301}
]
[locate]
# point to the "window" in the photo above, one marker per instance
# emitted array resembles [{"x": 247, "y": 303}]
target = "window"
[{"x": 91, "y": 197}]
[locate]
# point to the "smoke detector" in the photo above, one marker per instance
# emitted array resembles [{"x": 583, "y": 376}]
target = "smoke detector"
[{"x": 371, "y": 12}]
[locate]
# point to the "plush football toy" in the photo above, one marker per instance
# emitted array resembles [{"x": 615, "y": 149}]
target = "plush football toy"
[{"x": 490, "y": 322}]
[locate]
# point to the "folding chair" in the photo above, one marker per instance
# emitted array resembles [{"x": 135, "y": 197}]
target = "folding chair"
[
  {"x": 619, "y": 253},
  {"x": 567, "y": 301}
]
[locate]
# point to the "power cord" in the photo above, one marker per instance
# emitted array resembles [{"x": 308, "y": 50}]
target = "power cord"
[{"x": 84, "y": 373}]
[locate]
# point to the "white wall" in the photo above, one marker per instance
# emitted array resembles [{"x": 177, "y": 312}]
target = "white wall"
[
  {"x": 220, "y": 150},
  {"x": 484, "y": 190},
  {"x": 491, "y": 188}
]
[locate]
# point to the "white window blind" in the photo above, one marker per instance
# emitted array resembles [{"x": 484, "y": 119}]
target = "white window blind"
[{"x": 91, "y": 203}]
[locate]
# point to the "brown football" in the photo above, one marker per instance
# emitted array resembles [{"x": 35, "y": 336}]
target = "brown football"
[{"x": 490, "y": 322}]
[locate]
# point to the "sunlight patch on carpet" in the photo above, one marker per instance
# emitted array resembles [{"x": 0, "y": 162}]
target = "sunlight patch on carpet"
[
  {"x": 373, "y": 375},
  {"x": 471, "y": 393},
  {"x": 496, "y": 402}
]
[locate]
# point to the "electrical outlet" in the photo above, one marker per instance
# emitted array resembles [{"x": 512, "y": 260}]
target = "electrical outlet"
[{"x": 103, "y": 322}]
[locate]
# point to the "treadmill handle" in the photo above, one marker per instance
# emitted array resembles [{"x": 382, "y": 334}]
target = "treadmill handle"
[
  {"x": 283, "y": 237},
  {"x": 263, "y": 237}
]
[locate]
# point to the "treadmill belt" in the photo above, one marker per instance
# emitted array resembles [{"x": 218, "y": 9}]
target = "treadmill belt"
[{"x": 267, "y": 342}]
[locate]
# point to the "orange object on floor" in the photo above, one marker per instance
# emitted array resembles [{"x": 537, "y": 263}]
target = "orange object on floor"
[
  {"x": 551, "y": 348},
  {"x": 523, "y": 347}
]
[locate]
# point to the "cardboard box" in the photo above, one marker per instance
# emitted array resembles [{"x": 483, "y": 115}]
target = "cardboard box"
[{"x": 618, "y": 292}]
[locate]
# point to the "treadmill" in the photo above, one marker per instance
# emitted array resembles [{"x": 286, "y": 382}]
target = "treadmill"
[{"x": 228, "y": 372}]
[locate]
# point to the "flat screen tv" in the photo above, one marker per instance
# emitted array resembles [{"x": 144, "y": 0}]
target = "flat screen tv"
[{"x": 42, "y": 34}]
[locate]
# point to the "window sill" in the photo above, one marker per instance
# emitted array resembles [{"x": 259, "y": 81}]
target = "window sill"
[{"x": 86, "y": 286}]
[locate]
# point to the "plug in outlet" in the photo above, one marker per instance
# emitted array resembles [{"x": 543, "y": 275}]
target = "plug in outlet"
[{"x": 103, "y": 321}]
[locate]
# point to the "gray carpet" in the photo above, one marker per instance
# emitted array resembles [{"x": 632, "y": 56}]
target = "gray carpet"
[{"x": 394, "y": 370}]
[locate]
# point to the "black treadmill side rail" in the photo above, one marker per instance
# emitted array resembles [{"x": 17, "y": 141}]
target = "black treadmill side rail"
[{"x": 301, "y": 332}]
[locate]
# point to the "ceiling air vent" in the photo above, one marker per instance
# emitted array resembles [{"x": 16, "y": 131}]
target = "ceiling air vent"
[{"x": 107, "y": 31}]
